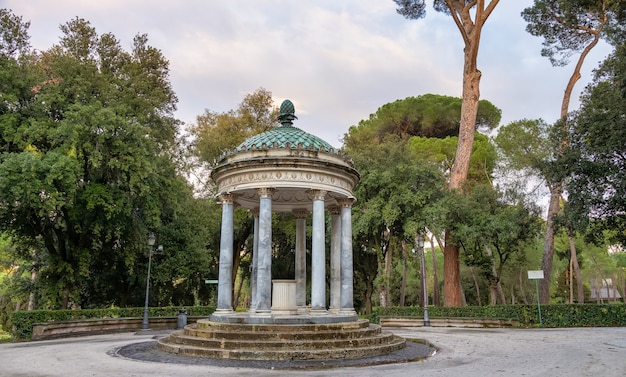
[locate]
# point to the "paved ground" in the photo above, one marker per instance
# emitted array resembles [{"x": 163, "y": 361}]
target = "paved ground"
[{"x": 598, "y": 352}]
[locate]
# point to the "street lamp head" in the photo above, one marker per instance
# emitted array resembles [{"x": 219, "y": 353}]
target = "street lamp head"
[
  {"x": 420, "y": 241},
  {"x": 151, "y": 239}
]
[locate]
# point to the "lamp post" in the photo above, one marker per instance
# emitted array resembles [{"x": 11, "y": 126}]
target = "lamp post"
[
  {"x": 420, "y": 247},
  {"x": 151, "y": 241}
]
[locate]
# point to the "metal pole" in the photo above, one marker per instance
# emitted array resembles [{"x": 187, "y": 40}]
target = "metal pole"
[
  {"x": 420, "y": 245},
  {"x": 145, "y": 324},
  {"x": 538, "y": 303}
]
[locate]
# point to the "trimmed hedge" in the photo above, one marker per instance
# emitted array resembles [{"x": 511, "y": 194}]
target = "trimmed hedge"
[
  {"x": 22, "y": 321},
  {"x": 559, "y": 315}
]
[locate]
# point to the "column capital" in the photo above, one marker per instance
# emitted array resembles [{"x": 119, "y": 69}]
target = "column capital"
[
  {"x": 300, "y": 213},
  {"x": 255, "y": 211},
  {"x": 318, "y": 194},
  {"x": 346, "y": 202},
  {"x": 227, "y": 198},
  {"x": 334, "y": 210},
  {"x": 265, "y": 192}
]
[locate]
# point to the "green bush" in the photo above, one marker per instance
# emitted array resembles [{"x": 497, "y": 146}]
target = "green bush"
[
  {"x": 22, "y": 321},
  {"x": 560, "y": 315}
]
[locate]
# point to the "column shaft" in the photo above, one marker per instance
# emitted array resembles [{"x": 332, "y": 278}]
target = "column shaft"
[
  {"x": 335, "y": 260},
  {"x": 300, "y": 257},
  {"x": 255, "y": 261},
  {"x": 264, "y": 271},
  {"x": 347, "y": 289},
  {"x": 225, "y": 282},
  {"x": 318, "y": 263}
]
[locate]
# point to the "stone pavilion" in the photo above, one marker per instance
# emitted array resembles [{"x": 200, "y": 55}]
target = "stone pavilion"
[{"x": 288, "y": 170}]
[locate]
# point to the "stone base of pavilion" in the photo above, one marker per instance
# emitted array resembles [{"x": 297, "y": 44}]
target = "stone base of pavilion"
[
  {"x": 301, "y": 317},
  {"x": 295, "y": 337}
]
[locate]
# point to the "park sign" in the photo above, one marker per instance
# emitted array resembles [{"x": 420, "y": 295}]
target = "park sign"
[{"x": 535, "y": 275}]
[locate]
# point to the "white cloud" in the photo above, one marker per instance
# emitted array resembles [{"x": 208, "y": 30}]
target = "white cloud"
[{"x": 338, "y": 61}]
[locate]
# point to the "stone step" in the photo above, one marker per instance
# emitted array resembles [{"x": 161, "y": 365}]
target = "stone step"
[
  {"x": 229, "y": 326},
  {"x": 283, "y": 334},
  {"x": 393, "y": 344},
  {"x": 267, "y": 344}
]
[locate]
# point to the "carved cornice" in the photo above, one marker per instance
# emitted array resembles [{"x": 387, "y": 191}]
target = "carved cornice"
[
  {"x": 265, "y": 192},
  {"x": 318, "y": 194},
  {"x": 346, "y": 202},
  {"x": 296, "y": 173},
  {"x": 227, "y": 198}
]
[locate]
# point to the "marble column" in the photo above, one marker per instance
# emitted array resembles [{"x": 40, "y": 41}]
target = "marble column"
[
  {"x": 225, "y": 282},
  {"x": 347, "y": 289},
  {"x": 300, "y": 215},
  {"x": 318, "y": 259},
  {"x": 264, "y": 270},
  {"x": 255, "y": 260},
  {"x": 335, "y": 260}
]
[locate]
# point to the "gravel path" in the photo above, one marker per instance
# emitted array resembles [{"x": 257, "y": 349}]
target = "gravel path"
[{"x": 597, "y": 352}]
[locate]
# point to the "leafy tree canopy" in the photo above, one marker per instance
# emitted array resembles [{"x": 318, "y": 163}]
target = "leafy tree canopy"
[
  {"x": 569, "y": 26},
  {"x": 216, "y": 133},
  {"x": 428, "y": 115},
  {"x": 87, "y": 147},
  {"x": 597, "y": 185},
  {"x": 441, "y": 152}
]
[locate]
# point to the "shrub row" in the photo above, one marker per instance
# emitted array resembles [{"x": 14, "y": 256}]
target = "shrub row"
[
  {"x": 22, "y": 321},
  {"x": 559, "y": 315}
]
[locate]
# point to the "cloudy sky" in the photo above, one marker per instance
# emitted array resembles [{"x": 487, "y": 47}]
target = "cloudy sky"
[{"x": 337, "y": 61}]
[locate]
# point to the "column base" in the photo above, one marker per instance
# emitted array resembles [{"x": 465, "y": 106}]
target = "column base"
[
  {"x": 262, "y": 313},
  {"x": 223, "y": 312},
  {"x": 347, "y": 311},
  {"x": 318, "y": 311}
]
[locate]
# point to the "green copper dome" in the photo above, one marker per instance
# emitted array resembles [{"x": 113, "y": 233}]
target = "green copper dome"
[{"x": 285, "y": 136}]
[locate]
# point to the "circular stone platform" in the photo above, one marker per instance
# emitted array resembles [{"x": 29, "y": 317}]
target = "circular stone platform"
[{"x": 415, "y": 350}]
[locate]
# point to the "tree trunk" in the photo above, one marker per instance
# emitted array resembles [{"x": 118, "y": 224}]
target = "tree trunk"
[
  {"x": 238, "y": 292},
  {"x": 452, "y": 281},
  {"x": 369, "y": 288},
  {"x": 476, "y": 286},
  {"x": 469, "y": 108},
  {"x": 548, "y": 244},
  {"x": 436, "y": 295},
  {"x": 470, "y": 21},
  {"x": 33, "y": 279},
  {"x": 499, "y": 293},
  {"x": 404, "y": 267},
  {"x": 521, "y": 286},
  {"x": 387, "y": 287},
  {"x": 580, "y": 293},
  {"x": 624, "y": 286},
  {"x": 31, "y": 294},
  {"x": 556, "y": 189}
]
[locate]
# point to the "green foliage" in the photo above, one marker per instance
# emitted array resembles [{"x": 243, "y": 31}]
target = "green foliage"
[
  {"x": 217, "y": 133},
  {"x": 525, "y": 145},
  {"x": 428, "y": 115},
  {"x": 588, "y": 315},
  {"x": 14, "y": 38},
  {"x": 89, "y": 166},
  {"x": 441, "y": 153},
  {"x": 597, "y": 182},
  {"x": 22, "y": 321},
  {"x": 569, "y": 26}
]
